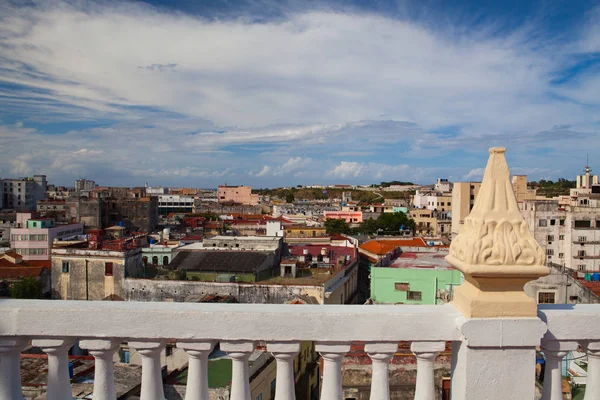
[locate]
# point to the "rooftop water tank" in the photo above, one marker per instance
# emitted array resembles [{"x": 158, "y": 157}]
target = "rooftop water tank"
[{"x": 596, "y": 277}]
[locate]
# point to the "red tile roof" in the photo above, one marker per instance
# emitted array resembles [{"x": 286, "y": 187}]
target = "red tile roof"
[{"x": 12, "y": 272}]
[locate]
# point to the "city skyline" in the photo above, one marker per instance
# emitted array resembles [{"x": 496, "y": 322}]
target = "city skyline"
[{"x": 272, "y": 94}]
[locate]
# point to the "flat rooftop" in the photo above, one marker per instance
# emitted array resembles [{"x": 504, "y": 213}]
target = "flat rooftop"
[{"x": 422, "y": 260}]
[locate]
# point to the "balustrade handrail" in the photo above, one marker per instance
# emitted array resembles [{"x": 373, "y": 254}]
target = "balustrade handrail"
[
  {"x": 201, "y": 321},
  {"x": 571, "y": 321}
]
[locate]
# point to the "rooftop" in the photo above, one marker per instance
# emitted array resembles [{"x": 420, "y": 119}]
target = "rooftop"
[
  {"x": 422, "y": 260},
  {"x": 219, "y": 261}
]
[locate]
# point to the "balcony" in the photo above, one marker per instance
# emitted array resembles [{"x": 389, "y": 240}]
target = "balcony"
[
  {"x": 494, "y": 327},
  {"x": 492, "y": 358},
  {"x": 583, "y": 242}
]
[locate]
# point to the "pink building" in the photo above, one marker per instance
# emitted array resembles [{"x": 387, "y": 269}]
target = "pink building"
[
  {"x": 32, "y": 236},
  {"x": 351, "y": 217},
  {"x": 237, "y": 194}
]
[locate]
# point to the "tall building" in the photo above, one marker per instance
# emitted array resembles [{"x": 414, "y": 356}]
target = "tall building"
[
  {"x": 236, "y": 194},
  {"x": 23, "y": 193},
  {"x": 84, "y": 185},
  {"x": 587, "y": 180},
  {"x": 463, "y": 199}
]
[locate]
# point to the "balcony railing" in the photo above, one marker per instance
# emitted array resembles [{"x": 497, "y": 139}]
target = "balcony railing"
[{"x": 493, "y": 358}]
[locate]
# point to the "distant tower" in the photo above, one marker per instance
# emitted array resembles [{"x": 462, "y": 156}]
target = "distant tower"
[{"x": 587, "y": 180}]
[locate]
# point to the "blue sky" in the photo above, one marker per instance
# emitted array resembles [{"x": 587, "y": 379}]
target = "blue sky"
[{"x": 272, "y": 93}]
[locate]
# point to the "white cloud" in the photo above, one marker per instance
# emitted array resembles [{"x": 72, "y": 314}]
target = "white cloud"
[
  {"x": 373, "y": 171},
  {"x": 264, "y": 172},
  {"x": 475, "y": 174}
]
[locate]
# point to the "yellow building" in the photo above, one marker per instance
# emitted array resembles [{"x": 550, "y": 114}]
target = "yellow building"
[
  {"x": 463, "y": 199},
  {"x": 304, "y": 231}
]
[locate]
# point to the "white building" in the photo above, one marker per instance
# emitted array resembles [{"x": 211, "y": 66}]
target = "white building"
[
  {"x": 23, "y": 193},
  {"x": 175, "y": 204},
  {"x": 84, "y": 185}
]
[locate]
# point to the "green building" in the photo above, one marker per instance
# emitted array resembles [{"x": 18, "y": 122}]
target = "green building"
[{"x": 415, "y": 278}]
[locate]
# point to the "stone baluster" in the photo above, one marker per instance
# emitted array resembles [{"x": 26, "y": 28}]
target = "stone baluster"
[
  {"x": 592, "y": 387},
  {"x": 104, "y": 371},
  {"x": 333, "y": 354},
  {"x": 197, "y": 379},
  {"x": 59, "y": 382},
  {"x": 152, "y": 385},
  {"x": 240, "y": 352},
  {"x": 381, "y": 354},
  {"x": 10, "y": 368},
  {"x": 554, "y": 352},
  {"x": 426, "y": 352},
  {"x": 284, "y": 353}
]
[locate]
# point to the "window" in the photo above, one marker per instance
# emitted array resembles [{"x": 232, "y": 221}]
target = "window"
[
  {"x": 273, "y": 386},
  {"x": 583, "y": 224},
  {"x": 552, "y": 222},
  {"x": 259, "y": 397},
  {"x": 402, "y": 286},
  {"x": 581, "y": 253},
  {"x": 561, "y": 255},
  {"x": 581, "y": 267},
  {"x": 550, "y": 237},
  {"x": 561, "y": 222},
  {"x": 416, "y": 296},
  {"x": 561, "y": 237},
  {"x": 550, "y": 252},
  {"x": 169, "y": 351},
  {"x": 582, "y": 239},
  {"x": 125, "y": 356},
  {"x": 546, "y": 297},
  {"x": 108, "y": 269},
  {"x": 542, "y": 222},
  {"x": 65, "y": 267}
]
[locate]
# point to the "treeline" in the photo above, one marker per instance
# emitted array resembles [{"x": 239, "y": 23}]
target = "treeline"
[
  {"x": 396, "y": 183},
  {"x": 292, "y": 195},
  {"x": 550, "y": 188},
  {"x": 386, "y": 223}
]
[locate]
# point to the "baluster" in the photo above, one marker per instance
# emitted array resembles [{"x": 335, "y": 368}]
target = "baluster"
[
  {"x": 152, "y": 386},
  {"x": 240, "y": 352},
  {"x": 381, "y": 354},
  {"x": 59, "y": 382},
  {"x": 333, "y": 353},
  {"x": 284, "y": 353},
  {"x": 104, "y": 371},
  {"x": 426, "y": 352},
  {"x": 592, "y": 387},
  {"x": 10, "y": 368},
  {"x": 197, "y": 379},
  {"x": 554, "y": 352}
]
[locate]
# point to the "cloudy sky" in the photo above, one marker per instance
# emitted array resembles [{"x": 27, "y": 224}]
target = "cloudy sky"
[{"x": 269, "y": 93}]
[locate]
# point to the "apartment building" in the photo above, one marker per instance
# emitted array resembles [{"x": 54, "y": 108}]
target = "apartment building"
[
  {"x": 463, "y": 199},
  {"x": 23, "y": 193},
  {"x": 236, "y": 194},
  {"x": 32, "y": 236},
  {"x": 84, "y": 185}
]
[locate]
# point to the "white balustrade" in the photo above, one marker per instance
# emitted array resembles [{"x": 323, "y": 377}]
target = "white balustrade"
[
  {"x": 59, "y": 382},
  {"x": 104, "y": 381},
  {"x": 333, "y": 354},
  {"x": 592, "y": 388},
  {"x": 381, "y": 354},
  {"x": 239, "y": 351},
  {"x": 284, "y": 353},
  {"x": 10, "y": 364},
  {"x": 554, "y": 352},
  {"x": 426, "y": 352},
  {"x": 197, "y": 377},
  {"x": 505, "y": 346},
  {"x": 152, "y": 385}
]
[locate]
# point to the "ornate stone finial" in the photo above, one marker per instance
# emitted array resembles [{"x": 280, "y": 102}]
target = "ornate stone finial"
[{"x": 495, "y": 250}]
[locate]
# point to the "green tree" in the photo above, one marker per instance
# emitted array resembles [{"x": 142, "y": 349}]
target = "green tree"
[
  {"x": 289, "y": 197},
  {"x": 336, "y": 226},
  {"x": 27, "y": 288}
]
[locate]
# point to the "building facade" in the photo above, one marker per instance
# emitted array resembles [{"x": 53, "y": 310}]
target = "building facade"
[
  {"x": 32, "y": 237},
  {"x": 168, "y": 204},
  {"x": 236, "y": 194},
  {"x": 23, "y": 193},
  {"x": 463, "y": 199}
]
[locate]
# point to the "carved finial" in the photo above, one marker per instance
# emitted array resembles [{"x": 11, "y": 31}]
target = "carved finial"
[
  {"x": 495, "y": 233},
  {"x": 495, "y": 250}
]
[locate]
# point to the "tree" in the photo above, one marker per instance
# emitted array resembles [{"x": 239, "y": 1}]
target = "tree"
[
  {"x": 387, "y": 223},
  {"x": 289, "y": 197},
  {"x": 27, "y": 288},
  {"x": 336, "y": 226}
]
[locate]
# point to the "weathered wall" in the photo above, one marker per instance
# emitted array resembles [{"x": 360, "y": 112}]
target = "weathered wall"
[
  {"x": 164, "y": 290},
  {"x": 567, "y": 290}
]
